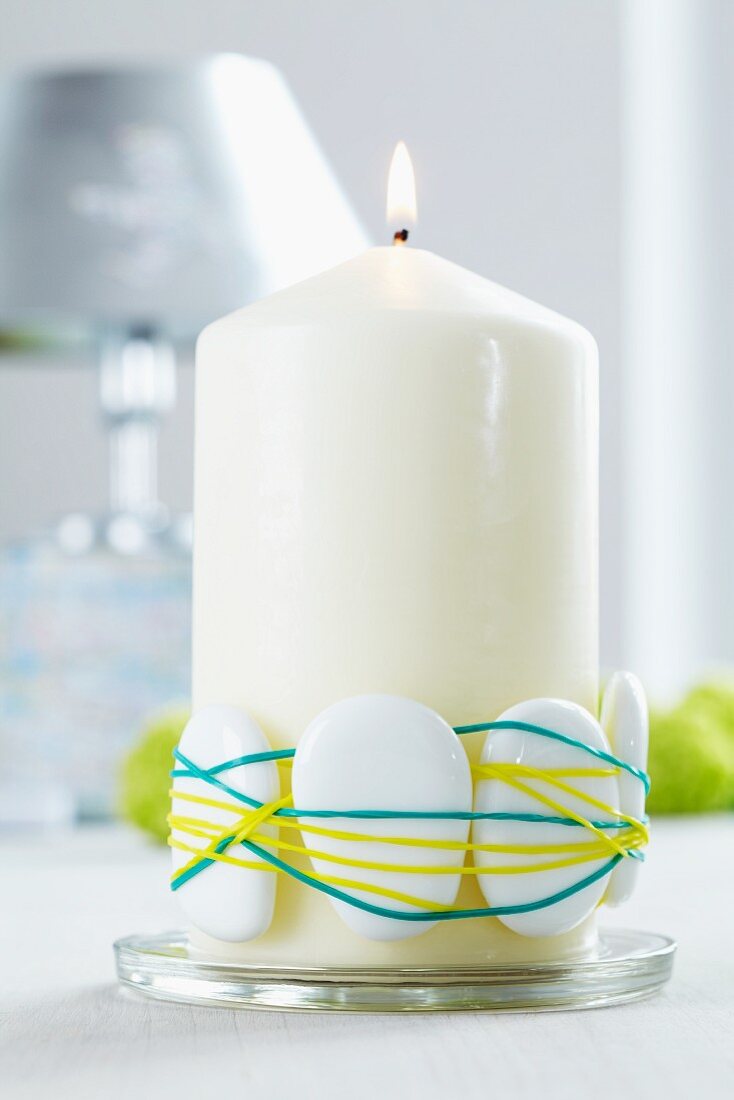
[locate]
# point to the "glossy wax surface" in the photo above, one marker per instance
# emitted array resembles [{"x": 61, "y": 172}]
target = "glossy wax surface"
[{"x": 396, "y": 492}]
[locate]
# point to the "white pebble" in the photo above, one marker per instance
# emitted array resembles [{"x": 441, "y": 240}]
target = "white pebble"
[
  {"x": 384, "y": 752},
  {"x": 494, "y": 796},
  {"x": 625, "y": 721},
  {"x": 226, "y": 902}
]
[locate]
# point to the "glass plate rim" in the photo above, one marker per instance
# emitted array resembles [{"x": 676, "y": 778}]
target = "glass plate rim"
[{"x": 630, "y": 965}]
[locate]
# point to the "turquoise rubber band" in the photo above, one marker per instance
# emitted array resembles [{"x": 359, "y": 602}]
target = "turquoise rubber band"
[
  {"x": 194, "y": 772},
  {"x": 528, "y": 727},
  {"x": 461, "y": 731},
  {"x": 209, "y": 775},
  {"x": 239, "y": 761}
]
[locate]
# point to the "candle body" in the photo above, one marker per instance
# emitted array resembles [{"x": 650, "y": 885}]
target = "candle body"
[{"x": 396, "y": 492}]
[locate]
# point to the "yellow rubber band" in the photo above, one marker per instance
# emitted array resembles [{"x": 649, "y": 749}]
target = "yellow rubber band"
[
  {"x": 489, "y": 771},
  {"x": 330, "y": 880},
  {"x": 583, "y": 854},
  {"x": 511, "y": 774},
  {"x": 184, "y": 824}
]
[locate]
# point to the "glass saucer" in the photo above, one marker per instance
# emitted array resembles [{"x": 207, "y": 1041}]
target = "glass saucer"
[{"x": 627, "y": 966}]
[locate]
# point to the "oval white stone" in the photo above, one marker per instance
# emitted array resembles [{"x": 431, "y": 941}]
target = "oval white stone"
[
  {"x": 384, "y": 752},
  {"x": 226, "y": 902},
  {"x": 495, "y": 796},
  {"x": 625, "y": 722}
]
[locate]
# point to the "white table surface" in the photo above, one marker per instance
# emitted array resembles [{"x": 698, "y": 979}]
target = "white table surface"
[{"x": 66, "y": 1030}]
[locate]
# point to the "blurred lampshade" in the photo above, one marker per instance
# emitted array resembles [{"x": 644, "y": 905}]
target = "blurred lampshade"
[
  {"x": 160, "y": 197},
  {"x": 136, "y": 205}
]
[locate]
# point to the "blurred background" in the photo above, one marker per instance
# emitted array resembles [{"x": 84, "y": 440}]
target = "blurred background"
[{"x": 155, "y": 174}]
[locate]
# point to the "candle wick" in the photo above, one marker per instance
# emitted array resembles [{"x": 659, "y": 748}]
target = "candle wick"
[{"x": 400, "y": 236}]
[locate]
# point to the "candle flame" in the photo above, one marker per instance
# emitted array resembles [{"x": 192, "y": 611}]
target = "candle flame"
[{"x": 401, "y": 204}]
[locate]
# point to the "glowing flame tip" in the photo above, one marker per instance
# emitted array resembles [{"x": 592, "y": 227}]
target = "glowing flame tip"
[{"x": 401, "y": 203}]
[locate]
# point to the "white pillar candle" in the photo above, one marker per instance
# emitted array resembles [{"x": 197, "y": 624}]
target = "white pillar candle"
[{"x": 396, "y": 492}]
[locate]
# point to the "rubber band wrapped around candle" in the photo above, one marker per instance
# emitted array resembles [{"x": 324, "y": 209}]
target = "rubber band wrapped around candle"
[{"x": 628, "y": 834}]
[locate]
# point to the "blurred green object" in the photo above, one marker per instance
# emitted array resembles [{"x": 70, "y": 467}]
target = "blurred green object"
[
  {"x": 145, "y": 776},
  {"x": 691, "y": 761},
  {"x": 714, "y": 702}
]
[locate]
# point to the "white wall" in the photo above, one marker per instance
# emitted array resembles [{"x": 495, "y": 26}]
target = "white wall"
[
  {"x": 678, "y": 392},
  {"x": 510, "y": 108}
]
